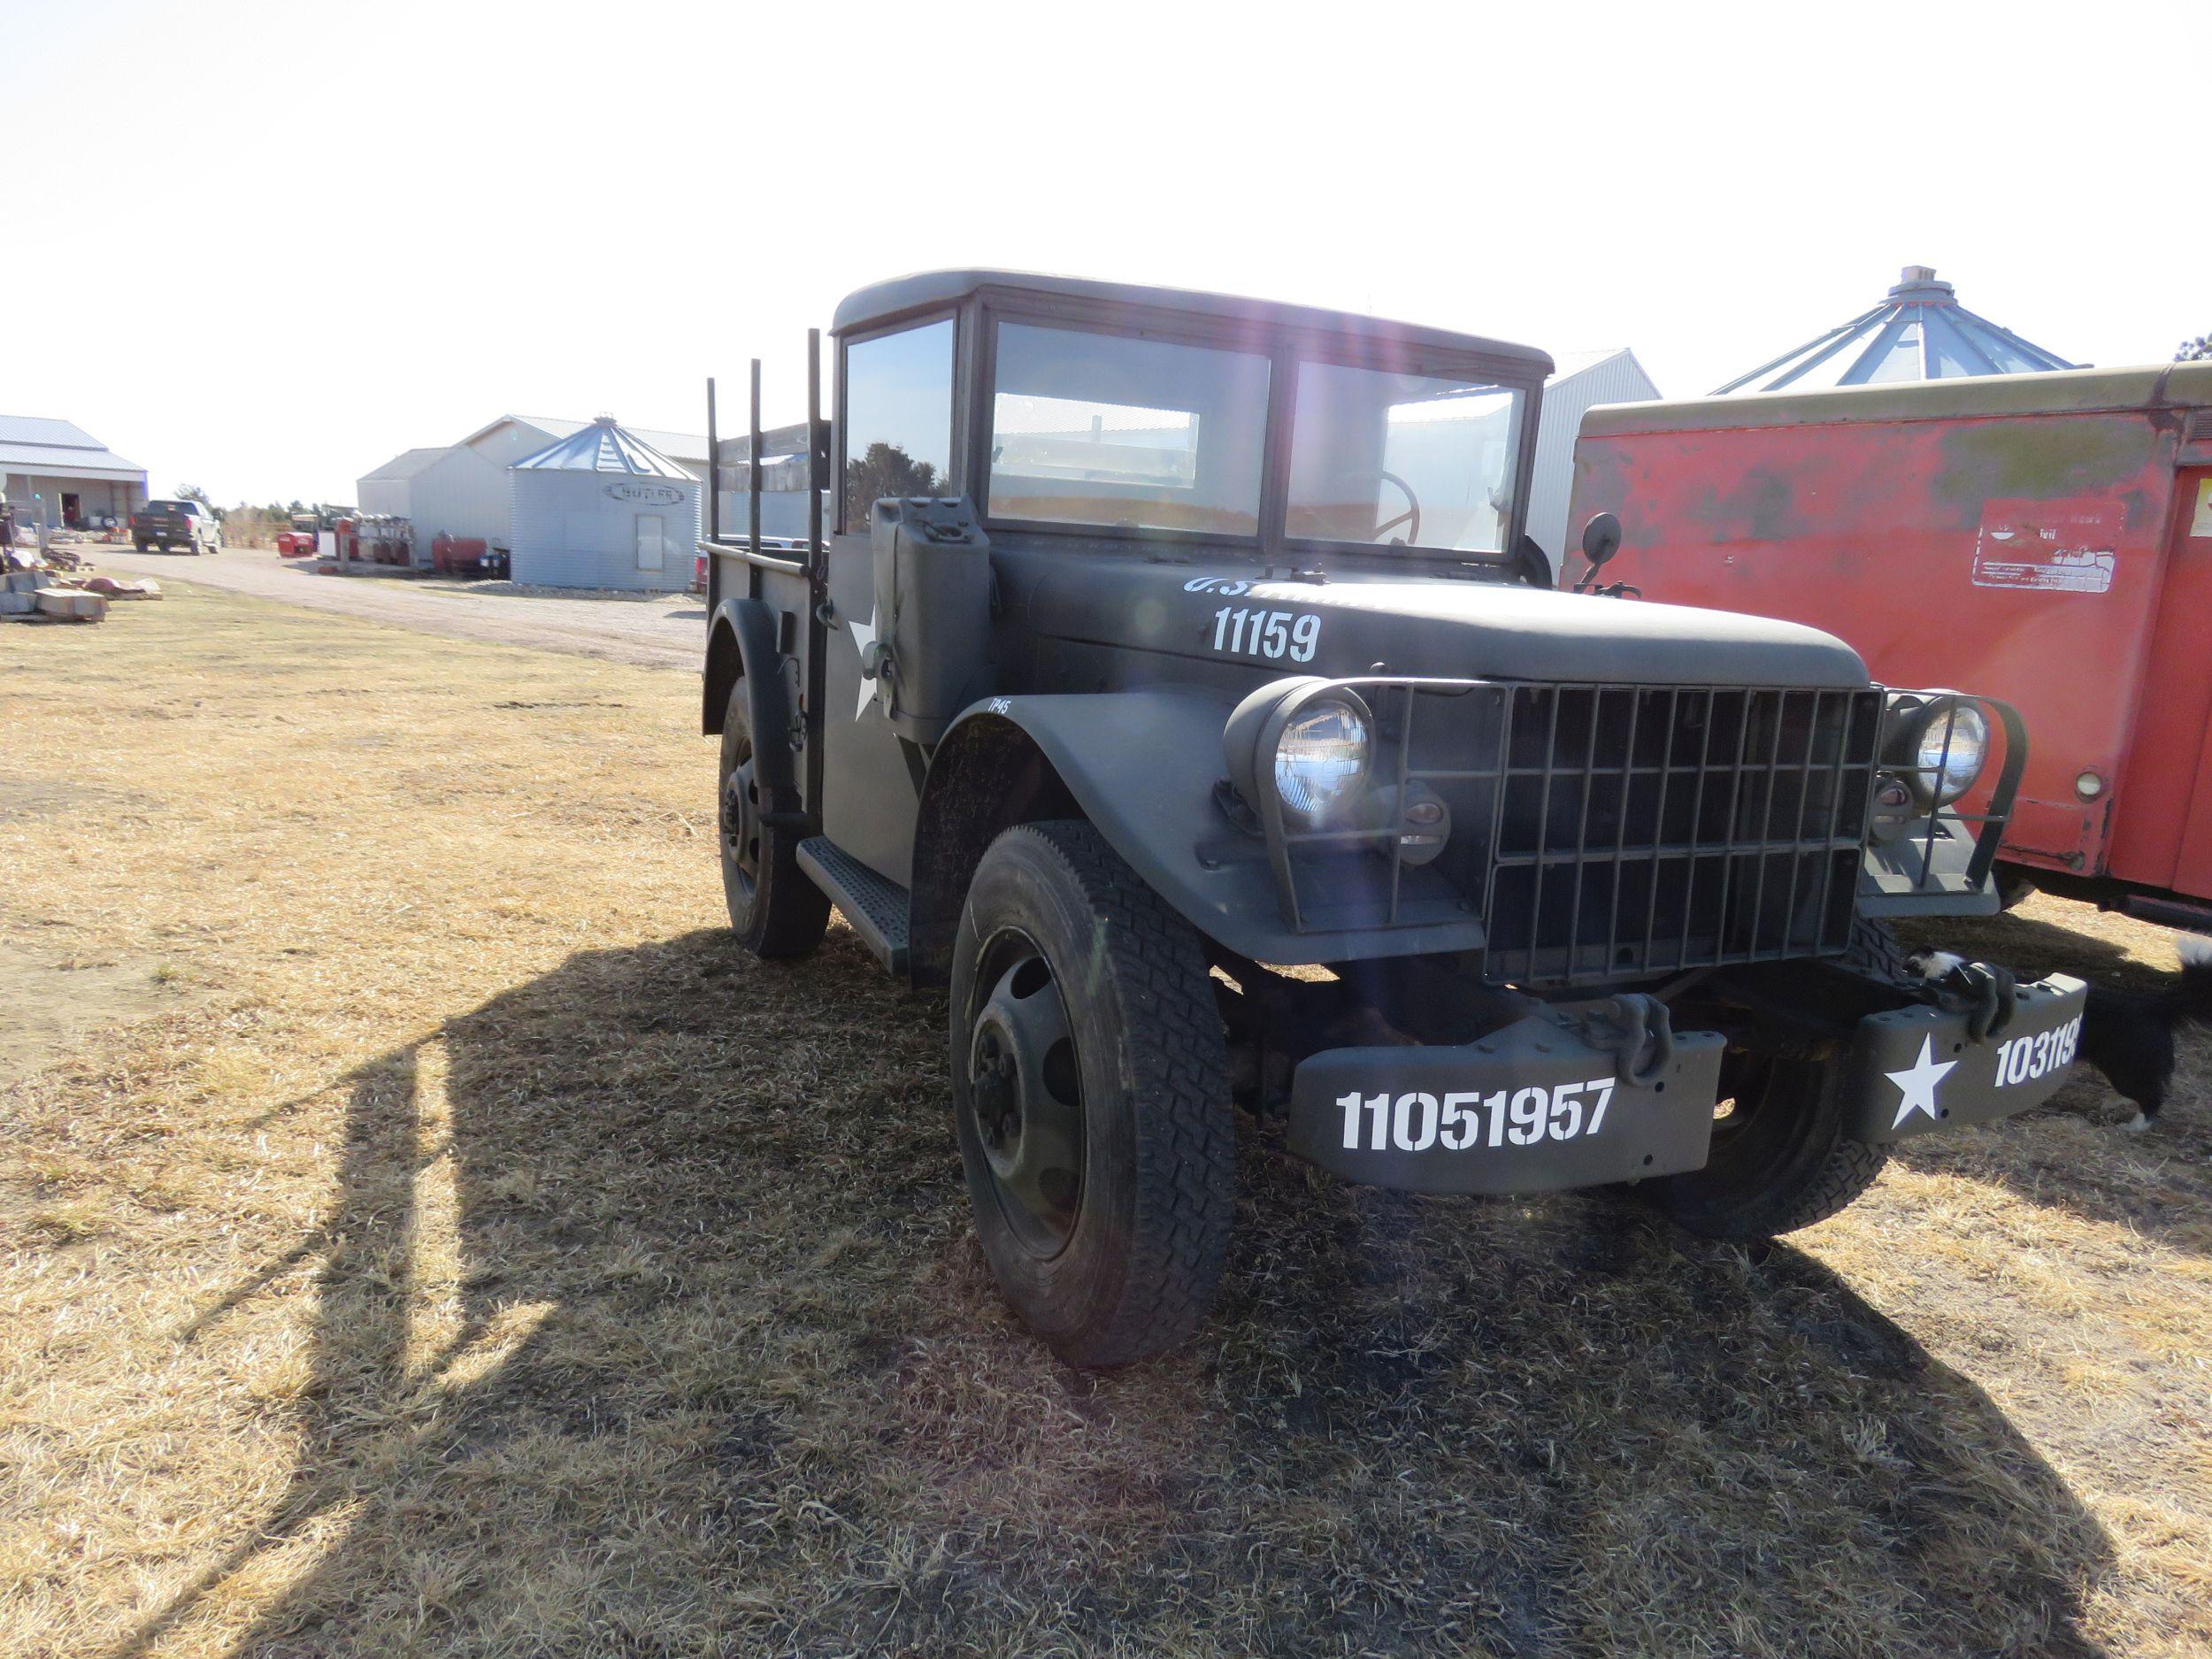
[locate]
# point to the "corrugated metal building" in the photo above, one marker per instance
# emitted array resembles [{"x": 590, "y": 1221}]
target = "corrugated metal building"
[
  {"x": 1580, "y": 381},
  {"x": 389, "y": 489},
  {"x": 602, "y": 509},
  {"x": 58, "y": 473},
  {"x": 1919, "y": 332},
  {"x": 783, "y": 481},
  {"x": 462, "y": 489}
]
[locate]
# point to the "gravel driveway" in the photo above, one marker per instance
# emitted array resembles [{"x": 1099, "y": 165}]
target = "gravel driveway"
[{"x": 662, "y": 632}]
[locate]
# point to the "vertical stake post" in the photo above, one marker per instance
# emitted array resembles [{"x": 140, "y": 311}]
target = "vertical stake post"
[
  {"x": 815, "y": 482},
  {"x": 753, "y": 463},
  {"x": 714, "y": 469}
]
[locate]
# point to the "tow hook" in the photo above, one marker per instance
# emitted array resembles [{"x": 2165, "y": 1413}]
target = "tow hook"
[
  {"x": 1987, "y": 994},
  {"x": 1642, "y": 1019}
]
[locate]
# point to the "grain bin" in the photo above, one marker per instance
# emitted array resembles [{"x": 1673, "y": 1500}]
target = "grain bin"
[{"x": 600, "y": 509}]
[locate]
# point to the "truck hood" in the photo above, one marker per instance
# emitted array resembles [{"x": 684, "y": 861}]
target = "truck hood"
[{"x": 1437, "y": 626}]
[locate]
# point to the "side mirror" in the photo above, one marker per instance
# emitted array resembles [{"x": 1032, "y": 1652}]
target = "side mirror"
[{"x": 1600, "y": 538}]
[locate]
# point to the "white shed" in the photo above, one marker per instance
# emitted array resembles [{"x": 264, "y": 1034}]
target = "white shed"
[
  {"x": 1580, "y": 380},
  {"x": 461, "y": 490},
  {"x": 59, "y": 476},
  {"x": 604, "y": 509}
]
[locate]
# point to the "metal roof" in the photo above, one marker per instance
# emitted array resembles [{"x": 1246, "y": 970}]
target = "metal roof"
[
  {"x": 776, "y": 443},
  {"x": 58, "y": 448},
  {"x": 1919, "y": 332},
  {"x": 406, "y": 464},
  {"x": 881, "y": 302},
  {"x": 44, "y": 429},
  {"x": 684, "y": 445},
  {"x": 604, "y": 447},
  {"x": 1567, "y": 364}
]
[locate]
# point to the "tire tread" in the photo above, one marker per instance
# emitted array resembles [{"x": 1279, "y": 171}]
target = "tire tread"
[
  {"x": 1186, "y": 1139},
  {"x": 1844, "y": 1171},
  {"x": 790, "y": 915},
  {"x": 1851, "y": 1168}
]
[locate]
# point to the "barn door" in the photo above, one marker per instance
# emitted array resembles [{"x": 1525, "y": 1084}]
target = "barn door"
[{"x": 651, "y": 556}]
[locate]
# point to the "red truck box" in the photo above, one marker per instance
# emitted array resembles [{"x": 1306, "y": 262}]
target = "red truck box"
[{"x": 2042, "y": 538}]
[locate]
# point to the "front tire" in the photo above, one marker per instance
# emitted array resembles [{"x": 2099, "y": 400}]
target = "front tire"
[
  {"x": 2015, "y": 887},
  {"x": 775, "y": 908},
  {"x": 1780, "y": 1160},
  {"x": 1090, "y": 1097}
]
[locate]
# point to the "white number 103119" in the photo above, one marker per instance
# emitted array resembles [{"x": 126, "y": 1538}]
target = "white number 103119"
[{"x": 1520, "y": 1117}]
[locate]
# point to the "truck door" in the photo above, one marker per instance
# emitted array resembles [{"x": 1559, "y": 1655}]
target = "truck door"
[{"x": 895, "y": 440}]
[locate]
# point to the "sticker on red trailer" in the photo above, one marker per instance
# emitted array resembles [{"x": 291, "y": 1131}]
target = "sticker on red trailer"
[{"x": 2059, "y": 546}]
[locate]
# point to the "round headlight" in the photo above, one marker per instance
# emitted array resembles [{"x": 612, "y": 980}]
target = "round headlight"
[
  {"x": 1321, "y": 759},
  {"x": 1953, "y": 742}
]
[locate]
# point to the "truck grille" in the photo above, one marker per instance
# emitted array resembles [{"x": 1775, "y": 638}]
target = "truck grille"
[{"x": 1608, "y": 832}]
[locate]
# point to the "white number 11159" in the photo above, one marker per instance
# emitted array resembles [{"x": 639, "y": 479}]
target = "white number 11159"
[
  {"x": 1272, "y": 634},
  {"x": 1521, "y": 1117}
]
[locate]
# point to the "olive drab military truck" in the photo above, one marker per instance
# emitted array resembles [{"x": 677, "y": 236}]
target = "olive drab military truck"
[{"x": 1166, "y": 677}]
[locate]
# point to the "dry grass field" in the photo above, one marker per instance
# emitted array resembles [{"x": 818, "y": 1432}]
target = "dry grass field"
[{"x": 422, "y": 1232}]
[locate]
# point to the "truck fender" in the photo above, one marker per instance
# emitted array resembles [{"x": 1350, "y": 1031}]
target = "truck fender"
[
  {"x": 741, "y": 638},
  {"x": 1142, "y": 765}
]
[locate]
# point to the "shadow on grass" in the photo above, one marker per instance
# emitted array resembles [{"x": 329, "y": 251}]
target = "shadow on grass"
[
  {"x": 2032, "y": 948},
  {"x": 651, "y": 1321}
]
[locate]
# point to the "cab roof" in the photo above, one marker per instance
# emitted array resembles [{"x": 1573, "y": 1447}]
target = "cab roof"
[{"x": 899, "y": 296}]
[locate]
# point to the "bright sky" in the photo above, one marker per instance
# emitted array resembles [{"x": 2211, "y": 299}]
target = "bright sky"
[{"x": 262, "y": 247}]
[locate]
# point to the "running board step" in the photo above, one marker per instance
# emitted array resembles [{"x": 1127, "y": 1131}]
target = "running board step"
[{"x": 875, "y": 905}]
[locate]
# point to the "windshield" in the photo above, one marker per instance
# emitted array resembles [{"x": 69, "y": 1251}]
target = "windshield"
[
  {"x": 1390, "y": 459},
  {"x": 1120, "y": 432},
  {"x": 1108, "y": 430}
]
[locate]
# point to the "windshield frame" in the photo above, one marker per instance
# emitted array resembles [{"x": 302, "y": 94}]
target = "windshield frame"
[{"x": 1285, "y": 350}]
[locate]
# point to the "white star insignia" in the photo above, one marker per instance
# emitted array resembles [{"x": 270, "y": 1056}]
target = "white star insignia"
[
  {"x": 1917, "y": 1084},
  {"x": 863, "y": 636}
]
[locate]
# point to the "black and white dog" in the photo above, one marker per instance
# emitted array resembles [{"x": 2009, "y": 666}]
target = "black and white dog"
[{"x": 2124, "y": 1034}]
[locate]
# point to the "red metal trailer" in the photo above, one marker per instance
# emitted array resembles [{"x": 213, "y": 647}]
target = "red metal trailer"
[{"x": 2045, "y": 538}]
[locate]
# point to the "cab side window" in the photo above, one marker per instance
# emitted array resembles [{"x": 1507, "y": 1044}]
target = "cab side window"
[{"x": 898, "y": 419}]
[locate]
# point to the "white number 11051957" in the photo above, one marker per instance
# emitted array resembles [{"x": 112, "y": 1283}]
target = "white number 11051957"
[{"x": 1520, "y": 1117}]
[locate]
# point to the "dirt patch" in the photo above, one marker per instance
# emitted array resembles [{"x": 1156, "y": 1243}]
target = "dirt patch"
[
  {"x": 663, "y": 630},
  {"x": 27, "y": 800},
  {"x": 49, "y": 1002}
]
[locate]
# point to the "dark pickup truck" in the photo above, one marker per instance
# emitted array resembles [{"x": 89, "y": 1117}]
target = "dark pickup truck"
[
  {"x": 188, "y": 524},
  {"x": 1163, "y": 643}
]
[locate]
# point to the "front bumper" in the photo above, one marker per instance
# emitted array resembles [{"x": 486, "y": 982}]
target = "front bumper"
[
  {"x": 1555, "y": 1101},
  {"x": 1917, "y": 1069},
  {"x": 1538, "y": 1107}
]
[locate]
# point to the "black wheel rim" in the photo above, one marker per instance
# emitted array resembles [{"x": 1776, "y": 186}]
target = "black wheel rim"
[
  {"x": 741, "y": 819},
  {"x": 1759, "y": 1122},
  {"x": 1025, "y": 1093},
  {"x": 1747, "y": 1080}
]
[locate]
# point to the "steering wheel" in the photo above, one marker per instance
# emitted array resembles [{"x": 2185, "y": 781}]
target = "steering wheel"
[{"x": 1411, "y": 518}]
